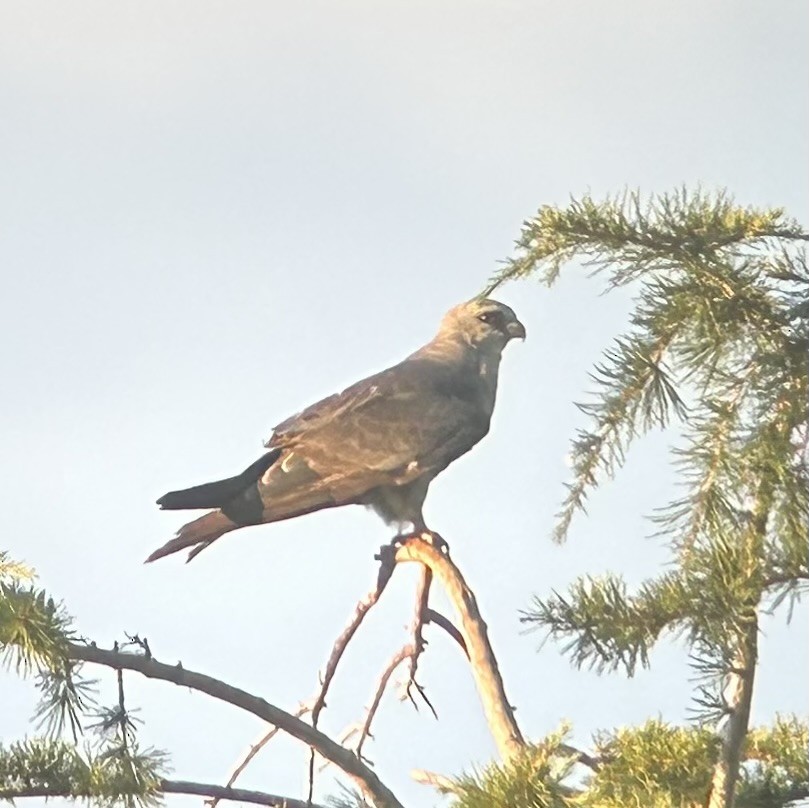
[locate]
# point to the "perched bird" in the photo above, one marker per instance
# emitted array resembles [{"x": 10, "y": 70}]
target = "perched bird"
[{"x": 379, "y": 443}]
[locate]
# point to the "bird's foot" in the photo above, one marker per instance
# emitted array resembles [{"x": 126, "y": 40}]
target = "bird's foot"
[
  {"x": 430, "y": 536},
  {"x": 437, "y": 541}
]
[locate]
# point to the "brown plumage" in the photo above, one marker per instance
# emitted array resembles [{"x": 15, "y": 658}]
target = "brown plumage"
[{"x": 379, "y": 443}]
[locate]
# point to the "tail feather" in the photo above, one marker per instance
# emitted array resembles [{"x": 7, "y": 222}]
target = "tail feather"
[
  {"x": 219, "y": 492},
  {"x": 197, "y": 535}
]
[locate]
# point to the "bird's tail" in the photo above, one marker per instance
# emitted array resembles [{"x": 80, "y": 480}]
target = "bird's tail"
[
  {"x": 232, "y": 495},
  {"x": 196, "y": 535},
  {"x": 219, "y": 493}
]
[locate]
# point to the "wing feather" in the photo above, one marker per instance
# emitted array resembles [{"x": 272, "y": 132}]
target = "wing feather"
[{"x": 391, "y": 428}]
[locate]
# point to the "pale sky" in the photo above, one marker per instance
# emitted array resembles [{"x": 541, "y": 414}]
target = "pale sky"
[{"x": 215, "y": 213}]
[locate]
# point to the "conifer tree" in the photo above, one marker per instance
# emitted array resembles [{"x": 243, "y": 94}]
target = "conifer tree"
[{"x": 718, "y": 345}]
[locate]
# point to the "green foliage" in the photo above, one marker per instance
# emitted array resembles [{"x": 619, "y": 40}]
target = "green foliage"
[
  {"x": 35, "y": 633},
  {"x": 718, "y": 344},
  {"x": 33, "y": 628},
  {"x": 718, "y": 318},
  {"x": 628, "y": 236},
  {"x": 534, "y": 778},
  {"x": 652, "y": 766},
  {"x": 14, "y": 571},
  {"x": 604, "y": 628},
  {"x": 46, "y": 767},
  {"x": 655, "y": 765},
  {"x": 718, "y": 340},
  {"x": 778, "y": 771}
]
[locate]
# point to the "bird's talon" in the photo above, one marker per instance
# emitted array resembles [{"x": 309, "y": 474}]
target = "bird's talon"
[{"x": 437, "y": 541}]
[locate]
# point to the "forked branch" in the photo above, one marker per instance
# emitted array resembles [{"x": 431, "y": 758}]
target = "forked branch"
[
  {"x": 499, "y": 712},
  {"x": 346, "y": 760}
]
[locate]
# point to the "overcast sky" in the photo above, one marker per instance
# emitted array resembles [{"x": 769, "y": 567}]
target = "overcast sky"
[{"x": 214, "y": 213}]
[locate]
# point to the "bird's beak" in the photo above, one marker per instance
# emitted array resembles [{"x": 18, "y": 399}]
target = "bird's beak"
[{"x": 515, "y": 329}]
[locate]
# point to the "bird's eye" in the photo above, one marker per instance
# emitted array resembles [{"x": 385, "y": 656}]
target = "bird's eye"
[{"x": 491, "y": 317}]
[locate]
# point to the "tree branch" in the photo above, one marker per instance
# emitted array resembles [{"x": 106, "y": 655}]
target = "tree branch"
[
  {"x": 175, "y": 787},
  {"x": 366, "y": 779},
  {"x": 407, "y": 652},
  {"x": 386, "y": 567},
  {"x": 254, "y": 750},
  {"x": 738, "y": 697},
  {"x": 498, "y": 710},
  {"x": 438, "y": 619},
  {"x": 418, "y": 642}
]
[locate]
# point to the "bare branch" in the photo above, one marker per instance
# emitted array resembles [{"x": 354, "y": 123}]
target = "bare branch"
[
  {"x": 438, "y": 619},
  {"x": 444, "y": 784},
  {"x": 365, "y": 778},
  {"x": 254, "y": 749},
  {"x": 499, "y": 712},
  {"x": 386, "y": 566},
  {"x": 177, "y": 787},
  {"x": 237, "y": 794},
  {"x": 418, "y": 643},
  {"x": 407, "y": 652}
]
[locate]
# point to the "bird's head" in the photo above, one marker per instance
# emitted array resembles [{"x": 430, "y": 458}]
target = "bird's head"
[{"x": 483, "y": 323}]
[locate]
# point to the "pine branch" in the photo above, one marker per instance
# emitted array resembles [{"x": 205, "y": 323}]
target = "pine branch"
[
  {"x": 537, "y": 775},
  {"x": 605, "y": 628},
  {"x": 631, "y": 238},
  {"x": 652, "y": 764}
]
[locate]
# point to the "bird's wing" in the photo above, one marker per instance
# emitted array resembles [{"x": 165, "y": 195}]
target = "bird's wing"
[{"x": 391, "y": 428}]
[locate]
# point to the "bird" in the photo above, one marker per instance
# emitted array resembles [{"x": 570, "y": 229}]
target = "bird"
[{"x": 378, "y": 443}]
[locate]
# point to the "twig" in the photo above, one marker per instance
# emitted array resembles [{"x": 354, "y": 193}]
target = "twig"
[
  {"x": 444, "y": 784},
  {"x": 365, "y": 778},
  {"x": 254, "y": 750},
  {"x": 590, "y": 761},
  {"x": 407, "y": 652},
  {"x": 438, "y": 619},
  {"x": 387, "y": 564},
  {"x": 498, "y": 710},
  {"x": 174, "y": 787},
  {"x": 418, "y": 642},
  {"x": 139, "y": 642},
  {"x": 386, "y": 567}
]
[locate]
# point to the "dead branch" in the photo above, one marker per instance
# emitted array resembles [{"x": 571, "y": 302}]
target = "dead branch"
[
  {"x": 499, "y": 712},
  {"x": 238, "y": 794},
  {"x": 176, "y": 787},
  {"x": 407, "y": 652},
  {"x": 438, "y": 619},
  {"x": 386, "y": 566},
  {"x": 444, "y": 784},
  {"x": 412, "y": 651},
  {"x": 417, "y": 634},
  {"x": 346, "y": 760},
  {"x": 254, "y": 749}
]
